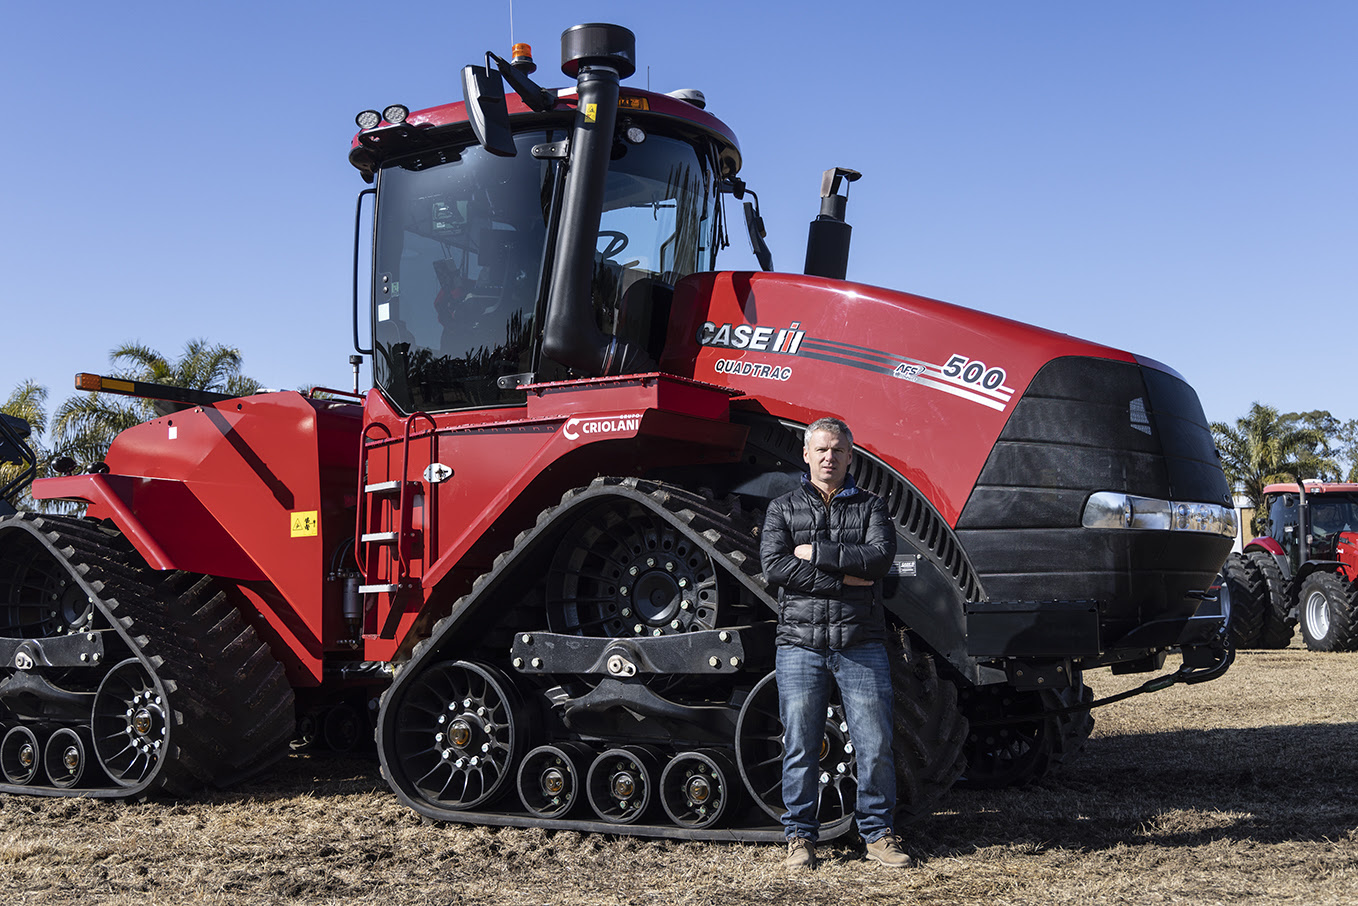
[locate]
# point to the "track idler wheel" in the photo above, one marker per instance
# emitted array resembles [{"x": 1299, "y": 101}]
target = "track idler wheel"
[
  {"x": 66, "y": 758},
  {"x": 131, "y": 723},
  {"x": 459, "y": 731},
  {"x": 552, "y": 779},
  {"x": 700, "y": 789},
  {"x": 621, "y": 784},
  {"x": 759, "y": 755},
  {"x": 20, "y": 755}
]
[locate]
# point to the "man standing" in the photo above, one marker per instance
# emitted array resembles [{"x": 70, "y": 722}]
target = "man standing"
[{"x": 825, "y": 546}]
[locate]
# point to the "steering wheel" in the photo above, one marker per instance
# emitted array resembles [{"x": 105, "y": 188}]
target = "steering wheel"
[{"x": 617, "y": 241}]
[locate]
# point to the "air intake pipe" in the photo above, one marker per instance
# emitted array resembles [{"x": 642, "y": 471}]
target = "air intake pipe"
[
  {"x": 827, "y": 240},
  {"x": 598, "y": 56}
]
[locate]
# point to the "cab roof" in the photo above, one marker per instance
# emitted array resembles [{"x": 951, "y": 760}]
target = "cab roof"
[{"x": 448, "y": 124}]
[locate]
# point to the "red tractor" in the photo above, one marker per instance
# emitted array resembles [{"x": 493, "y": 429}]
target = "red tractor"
[
  {"x": 527, "y": 557},
  {"x": 1300, "y": 570}
]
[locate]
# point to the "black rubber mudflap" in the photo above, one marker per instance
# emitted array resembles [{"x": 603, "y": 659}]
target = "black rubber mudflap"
[{"x": 223, "y": 701}]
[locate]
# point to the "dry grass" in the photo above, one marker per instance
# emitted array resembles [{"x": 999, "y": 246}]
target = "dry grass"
[{"x": 1237, "y": 791}]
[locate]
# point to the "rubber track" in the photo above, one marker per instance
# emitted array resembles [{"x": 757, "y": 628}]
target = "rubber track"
[
  {"x": 228, "y": 699},
  {"x": 929, "y": 727}
]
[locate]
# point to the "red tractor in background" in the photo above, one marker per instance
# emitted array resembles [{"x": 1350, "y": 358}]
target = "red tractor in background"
[
  {"x": 1300, "y": 571},
  {"x": 528, "y": 555}
]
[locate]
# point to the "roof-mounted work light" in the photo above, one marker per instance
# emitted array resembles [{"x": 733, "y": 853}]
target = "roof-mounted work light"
[
  {"x": 368, "y": 119},
  {"x": 395, "y": 114}
]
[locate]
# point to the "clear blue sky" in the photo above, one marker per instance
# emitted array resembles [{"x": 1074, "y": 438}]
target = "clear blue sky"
[{"x": 1171, "y": 177}]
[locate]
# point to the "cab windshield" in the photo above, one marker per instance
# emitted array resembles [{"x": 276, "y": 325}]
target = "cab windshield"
[{"x": 459, "y": 263}]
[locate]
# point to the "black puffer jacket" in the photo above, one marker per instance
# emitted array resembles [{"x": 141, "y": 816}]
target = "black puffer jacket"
[{"x": 852, "y": 536}]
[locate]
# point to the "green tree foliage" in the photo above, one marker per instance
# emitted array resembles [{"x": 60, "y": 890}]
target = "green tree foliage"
[
  {"x": 86, "y": 425},
  {"x": 1264, "y": 447},
  {"x": 27, "y": 401}
]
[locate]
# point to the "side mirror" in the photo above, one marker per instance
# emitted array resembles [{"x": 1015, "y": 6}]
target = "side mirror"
[{"x": 484, "y": 93}]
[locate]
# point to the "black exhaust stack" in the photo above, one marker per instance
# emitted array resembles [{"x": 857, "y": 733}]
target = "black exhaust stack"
[
  {"x": 598, "y": 57},
  {"x": 827, "y": 241}
]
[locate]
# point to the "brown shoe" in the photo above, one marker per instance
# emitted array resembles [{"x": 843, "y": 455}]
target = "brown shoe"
[
  {"x": 801, "y": 853},
  {"x": 887, "y": 850}
]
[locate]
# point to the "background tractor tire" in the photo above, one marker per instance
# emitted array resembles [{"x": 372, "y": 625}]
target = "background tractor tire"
[
  {"x": 1279, "y": 621},
  {"x": 1249, "y": 593},
  {"x": 1327, "y": 612}
]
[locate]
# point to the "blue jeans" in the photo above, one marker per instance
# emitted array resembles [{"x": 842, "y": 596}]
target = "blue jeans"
[{"x": 863, "y": 675}]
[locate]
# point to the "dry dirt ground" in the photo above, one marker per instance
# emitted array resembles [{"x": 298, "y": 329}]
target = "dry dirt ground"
[{"x": 1236, "y": 791}]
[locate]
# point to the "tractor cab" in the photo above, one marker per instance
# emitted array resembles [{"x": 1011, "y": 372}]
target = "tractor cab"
[{"x": 495, "y": 266}]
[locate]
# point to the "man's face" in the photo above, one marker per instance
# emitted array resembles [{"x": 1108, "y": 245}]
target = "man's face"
[{"x": 828, "y": 456}]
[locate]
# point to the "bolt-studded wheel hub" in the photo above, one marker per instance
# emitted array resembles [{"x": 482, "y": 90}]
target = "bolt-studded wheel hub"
[
  {"x": 620, "y": 784},
  {"x": 458, "y": 733},
  {"x": 698, "y": 789},
  {"x": 64, "y": 758},
  {"x": 627, "y": 572},
  {"x": 130, "y": 723},
  {"x": 551, "y": 778}
]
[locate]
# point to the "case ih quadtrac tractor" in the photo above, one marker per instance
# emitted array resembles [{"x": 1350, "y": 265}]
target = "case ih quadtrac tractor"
[
  {"x": 1301, "y": 570},
  {"x": 528, "y": 554}
]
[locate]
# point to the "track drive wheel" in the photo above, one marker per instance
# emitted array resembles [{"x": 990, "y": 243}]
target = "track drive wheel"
[
  {"x": 460, "y": 729},
  {"x": 1327, "y": 612}
]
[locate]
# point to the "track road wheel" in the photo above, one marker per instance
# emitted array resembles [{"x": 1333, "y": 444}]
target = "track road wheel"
[
  {"x": 552, "y": 779},
  {"x": 20, "y": 755},
  {"x": 66, "y": 757},
  {"x": 699, "y": 789},
  {"x": 1327, "y": 612},
  {"x": 1278, "y": 617},
  {"x": 621, "y": 784},
  {"x": 460, "y": 731},
  {"x": 1249, "y": 601}
]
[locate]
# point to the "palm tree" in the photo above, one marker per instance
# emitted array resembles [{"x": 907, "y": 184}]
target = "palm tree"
[
  {"x": 27, "y": 402},
  {"x": 87, "y": 424},
  {"x": 1265, "y": 447}
]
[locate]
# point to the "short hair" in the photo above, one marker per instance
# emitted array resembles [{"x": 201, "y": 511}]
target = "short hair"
[{"x": 832, "y": 425}]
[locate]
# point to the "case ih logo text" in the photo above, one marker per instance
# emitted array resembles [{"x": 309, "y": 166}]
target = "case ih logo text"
[
  {"x": 786, "y": 340},
  {"x": 617, "y": 424}
]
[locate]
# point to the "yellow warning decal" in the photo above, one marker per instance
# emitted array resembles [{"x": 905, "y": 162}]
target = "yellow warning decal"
[
  {"x": 124, "y": 386},
  {"x": 591, "y": 110},
  {"x": 634, "y": 103},
  {"x": 305, "y": 523}
]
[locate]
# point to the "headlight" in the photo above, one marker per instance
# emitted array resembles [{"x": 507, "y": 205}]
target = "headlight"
[{"x": 1112, "y": 510}]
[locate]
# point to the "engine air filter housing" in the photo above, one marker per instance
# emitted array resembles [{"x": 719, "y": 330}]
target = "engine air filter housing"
[{"x": 598, "y": 44}]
